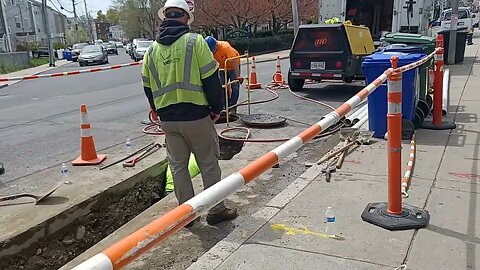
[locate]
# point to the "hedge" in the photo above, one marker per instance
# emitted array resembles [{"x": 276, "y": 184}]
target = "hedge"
[{"x": 264, "y": 44}]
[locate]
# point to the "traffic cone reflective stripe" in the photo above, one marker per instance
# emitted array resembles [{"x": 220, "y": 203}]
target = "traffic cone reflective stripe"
[
  {"x": 252, "y": 82},
  {"x": 87, "y": 146}
]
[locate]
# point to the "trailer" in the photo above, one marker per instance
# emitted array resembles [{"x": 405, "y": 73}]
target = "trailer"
[{"x": 380, "y": 16}]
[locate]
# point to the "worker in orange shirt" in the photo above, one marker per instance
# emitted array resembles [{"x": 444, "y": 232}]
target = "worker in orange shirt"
[{"x": 222, "y": 50}]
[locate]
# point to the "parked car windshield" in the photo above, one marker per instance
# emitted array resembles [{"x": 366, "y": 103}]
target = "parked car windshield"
[
  {"x": 89, "y": 49},
  {"x": 79, "y": 46},
  {"x": 144, "y": 44},
  {"x": 462, "y": 14}
]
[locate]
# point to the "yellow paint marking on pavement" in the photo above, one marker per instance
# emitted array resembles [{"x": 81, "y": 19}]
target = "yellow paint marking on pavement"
[{"x": 304, "y": 231}]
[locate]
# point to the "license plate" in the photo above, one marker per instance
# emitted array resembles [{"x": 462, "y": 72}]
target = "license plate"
[
  {"x": 90, "y": 61},
  {"x": 317, "y": 65}
]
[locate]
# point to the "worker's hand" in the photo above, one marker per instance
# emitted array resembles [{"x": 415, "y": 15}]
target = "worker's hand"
[
  {"x": 214, "y": 117},
  {"x": 240, "y": 80}
]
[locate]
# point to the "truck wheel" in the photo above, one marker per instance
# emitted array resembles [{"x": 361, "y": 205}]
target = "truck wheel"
[{"x": 295, "y": 84}]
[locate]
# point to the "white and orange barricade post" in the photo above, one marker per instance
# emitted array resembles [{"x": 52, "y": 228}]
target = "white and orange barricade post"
[
  {"x": 252, "y": 77},
  {"x": 410, "y": 167},
  {"x": 393, "y": 215},
  {"x": 438, "y": 123},
  {"x": 88, "y": 154}
]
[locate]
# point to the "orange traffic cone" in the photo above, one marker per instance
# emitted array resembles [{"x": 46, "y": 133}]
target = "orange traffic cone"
[
  {"x": 252, "y": 82},
  {"x": 278, "y": 77},
  {"x": 87, "y": 146}
]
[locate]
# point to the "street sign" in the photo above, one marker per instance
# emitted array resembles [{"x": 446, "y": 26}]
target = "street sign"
[
  {"x": 191, "y": 5},
  {"x": 237, "y": 33}
]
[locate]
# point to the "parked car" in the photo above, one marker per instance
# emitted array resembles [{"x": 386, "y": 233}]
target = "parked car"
[
  {"x": 141, "y": 49},
  {"x": 43, "y": 52},
  {"x": 93, "y": 54},
  {"x": 112, "y": 48},
  {"x": 76, "y": 49},
  {"x": 119, "y": 44}
]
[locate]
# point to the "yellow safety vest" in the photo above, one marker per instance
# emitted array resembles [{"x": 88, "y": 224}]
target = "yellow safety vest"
[{"x": 175, "y": 72}]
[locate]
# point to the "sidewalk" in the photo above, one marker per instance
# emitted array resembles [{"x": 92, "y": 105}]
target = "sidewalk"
[
  {"x": 272, "y": 56},
  {"x": 30, "y": 71},
  {"x": 287, "y": 232}
]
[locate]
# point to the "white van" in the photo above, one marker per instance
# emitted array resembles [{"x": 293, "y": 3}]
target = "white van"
[{"x": 464, "y": 19}]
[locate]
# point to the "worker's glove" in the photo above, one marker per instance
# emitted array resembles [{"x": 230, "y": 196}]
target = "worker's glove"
[
  {"x": 240, "y": 80},
  {"x": 214, "y": 117}
]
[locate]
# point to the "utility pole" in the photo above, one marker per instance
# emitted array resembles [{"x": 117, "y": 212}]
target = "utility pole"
[
  {"x": 90, "y": 33},
  {"x": 5, "y": 26},
  {"x": 51, "y": 55},
  {"x": 76, "y": 20},
  {"x": 453, "y": 33},
  {"x": 296, "y": 20}
]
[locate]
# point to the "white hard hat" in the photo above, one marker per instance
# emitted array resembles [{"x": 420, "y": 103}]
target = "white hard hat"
[{"x": 181, "y": 4}]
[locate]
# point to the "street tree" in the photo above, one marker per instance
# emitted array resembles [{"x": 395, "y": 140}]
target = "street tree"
[
  {"x": 101, "y": 17},
  {"x": 113, "y": 16}
]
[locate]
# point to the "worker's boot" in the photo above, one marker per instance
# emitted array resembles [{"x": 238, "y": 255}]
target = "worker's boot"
[
  {"x": 227, "y": 214},
  {"x": 233, "y": 111}
]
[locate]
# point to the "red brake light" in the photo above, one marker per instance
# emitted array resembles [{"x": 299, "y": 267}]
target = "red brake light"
[
  {"x": 338, "y": 64},
  {"x": 298, "y": 64}
]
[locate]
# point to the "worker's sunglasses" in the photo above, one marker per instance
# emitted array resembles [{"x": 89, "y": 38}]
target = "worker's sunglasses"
[{"x": 174, "y": 14}]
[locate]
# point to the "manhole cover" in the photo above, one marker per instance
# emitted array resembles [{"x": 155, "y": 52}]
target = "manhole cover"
[{"x": 262, "y": 120}]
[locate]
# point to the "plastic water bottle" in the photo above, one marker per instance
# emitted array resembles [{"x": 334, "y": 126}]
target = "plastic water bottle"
[
  {"x": 65, "y": 174},
  {"x": 128, "y": 146},
  {"x": 330, "y": 229}
]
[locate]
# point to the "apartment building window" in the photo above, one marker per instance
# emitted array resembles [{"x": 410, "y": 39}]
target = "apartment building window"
[{"x": 18, "y": 22}]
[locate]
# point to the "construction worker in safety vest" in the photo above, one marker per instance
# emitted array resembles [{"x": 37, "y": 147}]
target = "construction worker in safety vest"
[
  {"x": 193, "y": 169},
  {"x": 180, "y": 79},
  {"x": 222, "y": 50}
]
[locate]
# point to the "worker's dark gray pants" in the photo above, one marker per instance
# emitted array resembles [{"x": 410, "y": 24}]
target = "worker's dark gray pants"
[{"x": 200, "y": 138}]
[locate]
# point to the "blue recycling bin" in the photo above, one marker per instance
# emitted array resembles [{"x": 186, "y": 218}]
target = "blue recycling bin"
[
  {"x": 67, "y": 55},
  {"x": 373, "y": 66}
]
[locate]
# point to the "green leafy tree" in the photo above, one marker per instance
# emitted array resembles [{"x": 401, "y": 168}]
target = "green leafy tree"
[
  {"x": 78, "y": 36},
  {"x": 113, "y": 16},
  {"x": 101, "y": 17}
]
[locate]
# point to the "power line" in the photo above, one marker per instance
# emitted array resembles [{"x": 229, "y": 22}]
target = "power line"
[{"x": 62, "y": 6}]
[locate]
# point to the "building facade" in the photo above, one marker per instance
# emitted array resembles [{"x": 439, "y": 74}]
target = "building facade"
[
  {"x": 22, "y": 24},
  {"x": 117, "y": 33},
  {"x": 102, "y": 30}
]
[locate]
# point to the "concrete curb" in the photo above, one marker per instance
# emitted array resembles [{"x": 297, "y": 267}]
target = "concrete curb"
[{"x": 36, "y": 73}]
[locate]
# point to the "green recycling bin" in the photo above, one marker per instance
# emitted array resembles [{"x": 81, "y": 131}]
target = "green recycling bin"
[{"x": 428, "y": 46}]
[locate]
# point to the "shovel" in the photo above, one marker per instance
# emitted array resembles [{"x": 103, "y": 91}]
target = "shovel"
[
  {"x": 38, "y": 198},
  {"x": 145, "y": 153}
]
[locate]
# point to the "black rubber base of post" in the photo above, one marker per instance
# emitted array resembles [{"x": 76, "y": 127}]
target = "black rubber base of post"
[
  {"x": 411, "y": 218},
  {"x": 443, "y": 126}
]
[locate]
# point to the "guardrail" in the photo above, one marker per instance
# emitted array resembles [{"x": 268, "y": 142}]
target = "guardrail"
[{"x": 131, "y": 247}]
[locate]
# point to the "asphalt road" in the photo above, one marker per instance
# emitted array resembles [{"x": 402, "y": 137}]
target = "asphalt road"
[{"x": 40, "y": 119}]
